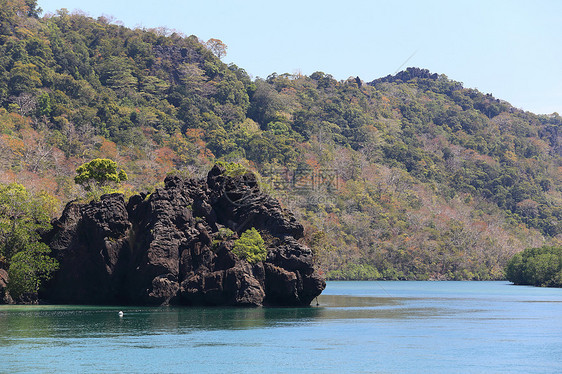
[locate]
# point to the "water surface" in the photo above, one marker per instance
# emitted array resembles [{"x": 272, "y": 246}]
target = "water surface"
[{"x": 360, "y": 327}]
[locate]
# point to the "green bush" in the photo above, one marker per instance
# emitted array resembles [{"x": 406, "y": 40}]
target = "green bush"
[
  {"x": 250, "y": 246},
  {"x": 536, "y": 266},
  {"x": 232, "y": 169},
  {"x": 29, "y": 268},
  {"x": 23, "y": 217}
]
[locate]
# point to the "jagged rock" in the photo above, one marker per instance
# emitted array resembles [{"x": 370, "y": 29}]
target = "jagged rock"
[
  {"x": 91, "y": 243},
  {"x": 239, "y": 204},
  {"x": 165, "y": 248}
]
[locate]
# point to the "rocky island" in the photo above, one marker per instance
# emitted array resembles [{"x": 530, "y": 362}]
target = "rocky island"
[{"x": 175, "y": 246}]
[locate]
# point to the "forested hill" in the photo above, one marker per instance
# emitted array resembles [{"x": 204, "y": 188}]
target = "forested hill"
[{"x": 408, "y": 176}]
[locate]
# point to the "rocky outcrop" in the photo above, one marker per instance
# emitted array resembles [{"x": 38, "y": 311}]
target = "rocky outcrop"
[{"x": 168, "y": 248}]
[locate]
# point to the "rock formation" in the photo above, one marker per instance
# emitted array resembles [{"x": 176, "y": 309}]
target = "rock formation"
[{"x": 166, "y": 248}]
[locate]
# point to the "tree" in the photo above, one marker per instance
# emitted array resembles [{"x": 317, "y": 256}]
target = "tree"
[
  {"x": 29, "y": 268},
  {"x": 44, "y": 104},
  {"x": 23, "y": 78},
  {"x": 98, "y": 173},
  {"x": 536, "y": 266},
  {"x": 32, "y": 9},
  {"x": 117, "y": 74},
  {"x": 217, "y": 47},
  {"x": 23, "y": 217}
]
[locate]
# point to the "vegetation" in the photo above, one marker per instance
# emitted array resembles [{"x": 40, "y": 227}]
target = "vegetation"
[
  {"x": 99, "y": 177},
  {"x": 537, "y": 267},
  {"x": 220, "y": 236},
  {"x": 356, "y": 272},
  {"x": 29, "y": 269},
  {"x": 250, "y": 246},
  {"x": 410, "y": 176},
  {"x": 99, "y": 171},
  {"x": 232, "y": 169},
  {"x": 23, "y": 217}
]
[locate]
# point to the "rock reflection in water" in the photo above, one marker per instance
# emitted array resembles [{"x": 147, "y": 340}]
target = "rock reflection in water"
[
  {"x": 87, "y": 321},
  {"x": 408, "y": 327}
]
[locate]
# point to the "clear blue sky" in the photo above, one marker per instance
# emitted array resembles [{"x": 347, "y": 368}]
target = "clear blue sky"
[{"x": 512, "y": 49}]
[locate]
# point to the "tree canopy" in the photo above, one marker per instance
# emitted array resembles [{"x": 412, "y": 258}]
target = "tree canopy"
[
  {"x": 537, "y": 267},
  {"x": 23, "y": 217},
  {"x": 100, "y": 172}
]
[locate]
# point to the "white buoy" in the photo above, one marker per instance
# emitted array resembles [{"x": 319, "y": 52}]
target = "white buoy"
[{"x": 120, "y": 313}]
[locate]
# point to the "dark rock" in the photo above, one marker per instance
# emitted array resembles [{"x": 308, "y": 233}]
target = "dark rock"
[
  {"x": 167, "y": 249},
  {"x": 91, "y": 244},
  {"x": 242, "y": 287},
  {"x": 290, "y": 274},
  {"x": 240, "y": 205}
]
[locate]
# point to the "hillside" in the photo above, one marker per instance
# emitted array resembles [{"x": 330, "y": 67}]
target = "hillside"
[{"x": 410, "y": 176}]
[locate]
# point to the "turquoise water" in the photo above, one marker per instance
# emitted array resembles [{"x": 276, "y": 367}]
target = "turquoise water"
[{"x": 359, "y": 327}]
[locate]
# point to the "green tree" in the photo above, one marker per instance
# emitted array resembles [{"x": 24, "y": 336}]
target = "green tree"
[
  {"x": 29, "y": 268},
  {"x": 44, "y": 107},
  {"x": 232, "y": 169},
  {"x": 117, "y": 74},
  {"x": 99, "y": 173},
  {"x": 536, "y": 266},
  {"x": 23, "y": 217},
  {"x": 250, "y": 246},
  {"x": 23, "y": 78}
]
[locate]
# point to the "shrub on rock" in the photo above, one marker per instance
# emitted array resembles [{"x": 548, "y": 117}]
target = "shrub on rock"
[{"x": 250, "y": 246}]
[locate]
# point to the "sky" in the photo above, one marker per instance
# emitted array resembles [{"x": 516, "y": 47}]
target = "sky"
[{"x": 511, "y": 49}]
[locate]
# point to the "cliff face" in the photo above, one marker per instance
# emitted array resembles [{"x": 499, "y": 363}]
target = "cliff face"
[{"x": 166, "y": 248}]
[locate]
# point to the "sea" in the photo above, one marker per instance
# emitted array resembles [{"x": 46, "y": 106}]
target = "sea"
[{"x": 353, "y": 327}]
